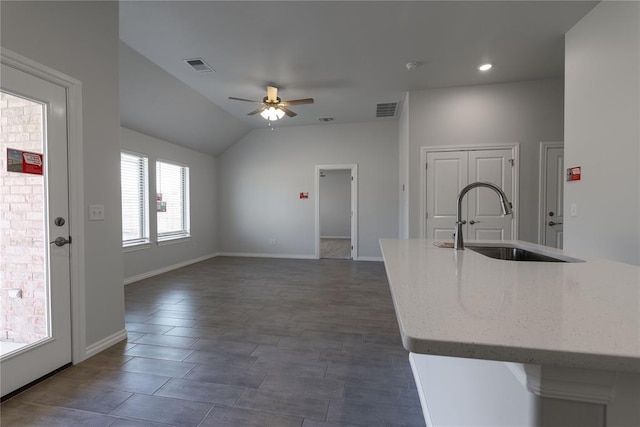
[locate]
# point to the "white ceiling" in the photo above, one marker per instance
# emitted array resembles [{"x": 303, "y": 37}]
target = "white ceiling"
[{"x": 348, "y": 56}]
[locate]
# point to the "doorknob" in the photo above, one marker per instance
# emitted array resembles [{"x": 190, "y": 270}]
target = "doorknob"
[
  {"x": 551, "y": 223},
  {"x": 473, "y": 222},
  {"x": 61, "y": 241}
]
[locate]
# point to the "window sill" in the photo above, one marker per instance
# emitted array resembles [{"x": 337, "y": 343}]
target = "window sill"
[
  {"x": 173, "y": 240},
  {"x": 136, "y": 247}
]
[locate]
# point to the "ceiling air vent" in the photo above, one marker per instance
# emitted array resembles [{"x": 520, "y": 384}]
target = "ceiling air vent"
[
  {"x": 386, "y": 109},
  {"x": 199, "y": 65}
]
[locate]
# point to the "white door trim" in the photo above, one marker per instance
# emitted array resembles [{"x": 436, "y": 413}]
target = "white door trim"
[
  {"x": 76, "y": 189},
  {"x": 353, "y": 167},
  {"x": 542, "y": 185},
  {"x": 515, "y": 152}
]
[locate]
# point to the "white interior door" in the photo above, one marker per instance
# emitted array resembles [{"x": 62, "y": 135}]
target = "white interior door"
[
  {"x": 485, "y": 220},
  {"x": 35, "y": 272},
  {"x": 554, "y": 197},
  {"x": 447, "y": 174}
]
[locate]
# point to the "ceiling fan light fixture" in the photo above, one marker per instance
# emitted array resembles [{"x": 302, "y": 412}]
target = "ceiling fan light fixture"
[{"x": 272, "y": 114}]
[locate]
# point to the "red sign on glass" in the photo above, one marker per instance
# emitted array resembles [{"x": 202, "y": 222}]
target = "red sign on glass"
[{"x": 24, "y": 161}]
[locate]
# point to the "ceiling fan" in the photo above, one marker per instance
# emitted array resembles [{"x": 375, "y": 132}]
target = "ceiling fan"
[{"x": 273, "y": 108}]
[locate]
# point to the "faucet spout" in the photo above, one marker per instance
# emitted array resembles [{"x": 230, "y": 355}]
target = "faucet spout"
[{"x": 458, "y": 241}]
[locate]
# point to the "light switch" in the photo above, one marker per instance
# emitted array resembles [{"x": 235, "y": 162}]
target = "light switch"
[
  {"x": 574, "y": 209},
  {"x": 96, "y": 212}
]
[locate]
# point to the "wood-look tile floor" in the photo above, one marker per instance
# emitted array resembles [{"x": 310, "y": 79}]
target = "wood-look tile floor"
[{"x": 242, "y": 342}]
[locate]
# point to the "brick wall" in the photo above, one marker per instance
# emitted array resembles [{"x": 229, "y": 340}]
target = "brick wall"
[{"x": 22, "y": 239}]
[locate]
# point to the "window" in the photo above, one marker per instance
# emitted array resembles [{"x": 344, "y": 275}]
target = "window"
[
  {"x": 135, "y": 210},
  {"x": 172, "y": 184}
]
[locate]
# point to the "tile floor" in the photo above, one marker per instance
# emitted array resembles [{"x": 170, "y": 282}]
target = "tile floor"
[
  {"x": 335, "y": 248},
  {"x": 242, "y": 342}
]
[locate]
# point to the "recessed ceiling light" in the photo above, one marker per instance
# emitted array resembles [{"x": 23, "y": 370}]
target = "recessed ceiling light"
[{"x": 485, "y": 67}]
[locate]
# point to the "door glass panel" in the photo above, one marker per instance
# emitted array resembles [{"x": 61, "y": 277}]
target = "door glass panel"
[{"x": 24, "y": 312}]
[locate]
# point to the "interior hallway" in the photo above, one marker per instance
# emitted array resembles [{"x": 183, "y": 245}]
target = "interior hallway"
[{"x": 242, "y": 341}]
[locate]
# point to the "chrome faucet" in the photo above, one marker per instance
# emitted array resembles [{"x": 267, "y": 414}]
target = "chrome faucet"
[{"x": 458, "y": 242}]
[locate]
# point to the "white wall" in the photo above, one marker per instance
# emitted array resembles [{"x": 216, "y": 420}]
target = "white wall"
[
  {"x": 261, "y": 176},
  {"x": 602, "y": 119},
  {"x": 202, "y": 182},
  {"x": 80, "y": 39},
  {"x": 335, "y": 203},
  {"x": 525, "y": 112}
]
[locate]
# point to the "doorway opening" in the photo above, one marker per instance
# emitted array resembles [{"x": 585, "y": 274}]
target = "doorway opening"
[{"x": 336, "y": 225}]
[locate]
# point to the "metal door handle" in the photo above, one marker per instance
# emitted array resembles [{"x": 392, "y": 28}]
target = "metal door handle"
[
  {"x": 473, "y": 222},
  {"x": 61, "y": 241},
  {"x": 551, "y": 223}
]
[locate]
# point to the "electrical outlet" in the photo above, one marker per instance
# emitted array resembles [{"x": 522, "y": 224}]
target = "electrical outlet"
[{"x": 96, "y": 212}]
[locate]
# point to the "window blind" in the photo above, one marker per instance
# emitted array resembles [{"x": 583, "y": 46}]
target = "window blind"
[
  {"x": 172, "y": 184},
  {"x": 135, "y": 212}
]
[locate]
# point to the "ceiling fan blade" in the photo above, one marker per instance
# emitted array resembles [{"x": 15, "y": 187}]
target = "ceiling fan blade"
[
  {"x": 245, "y": 100},
  {"x": 288, "y": 112},
  {"x": 272, "y": 94},
  {"x": 259, "y": 110},
  {"x": 297, "y": 102}
]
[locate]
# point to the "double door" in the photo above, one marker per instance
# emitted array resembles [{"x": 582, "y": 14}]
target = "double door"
[{"x": 448, "y": 172}]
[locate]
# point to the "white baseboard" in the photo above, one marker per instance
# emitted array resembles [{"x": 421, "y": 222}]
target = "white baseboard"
[
  {"x": 370, "y": 258},
  {"x": 105, "y": 343},
  {"x": 166, "y": 269},
  {"x": 266, "y": 255},
  {"x": 336, "y": 237}
]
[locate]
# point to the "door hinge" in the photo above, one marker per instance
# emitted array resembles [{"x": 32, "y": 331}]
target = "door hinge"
[
  {"x": 351, "y": 247},
  {"x": 426, "y": 165},
  {"x": 512, "y": 162},
  {"x": 351, "y": 178}
]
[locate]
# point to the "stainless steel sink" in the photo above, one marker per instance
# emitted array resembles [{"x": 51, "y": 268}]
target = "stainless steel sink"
[{"x": 512, "y": 254}]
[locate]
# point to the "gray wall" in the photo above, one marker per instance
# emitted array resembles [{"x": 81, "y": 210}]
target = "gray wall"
[
  {"x": 335, "y": 203},
  {"x": 202, "y": 182},
  {"x": 261, "y": 176},
  {"x": 602, "y": 135},
  {"x": 80, "y": 39},
  {"x": 525, "y": 112}
]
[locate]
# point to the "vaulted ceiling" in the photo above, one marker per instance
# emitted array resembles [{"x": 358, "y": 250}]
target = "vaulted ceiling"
[{"x": 347, "y": 55}]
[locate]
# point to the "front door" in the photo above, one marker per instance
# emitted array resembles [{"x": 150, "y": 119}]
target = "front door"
[{"x": 35, "y": 320}]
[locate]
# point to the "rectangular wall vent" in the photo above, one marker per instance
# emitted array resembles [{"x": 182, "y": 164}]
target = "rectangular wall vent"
[
  {"x": 386, "y": 109},
  {"x": 199, "y": 65}
]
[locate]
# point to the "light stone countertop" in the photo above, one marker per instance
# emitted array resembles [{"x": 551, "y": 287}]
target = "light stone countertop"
[{"x": 464, "y": 304}]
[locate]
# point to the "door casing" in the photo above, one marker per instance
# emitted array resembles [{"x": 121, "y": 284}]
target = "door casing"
[
  {"x": 515, "y": 151},
  {"x": 76, "y": 189}
]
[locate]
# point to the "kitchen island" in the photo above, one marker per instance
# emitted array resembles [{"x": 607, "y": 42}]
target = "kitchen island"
[{"x": 569, "y": 330}]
